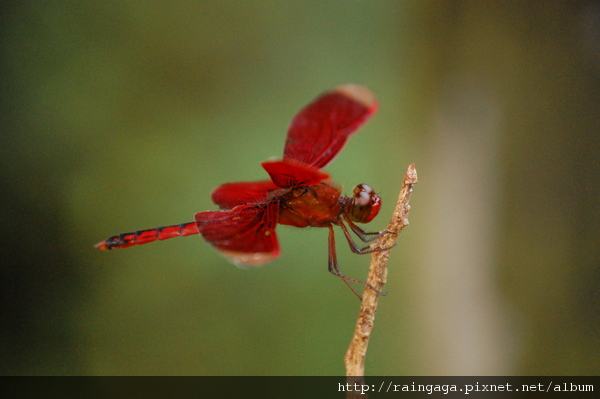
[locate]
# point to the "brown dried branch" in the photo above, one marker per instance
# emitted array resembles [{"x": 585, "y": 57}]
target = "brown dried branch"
[{"x": 355, "y": 356}]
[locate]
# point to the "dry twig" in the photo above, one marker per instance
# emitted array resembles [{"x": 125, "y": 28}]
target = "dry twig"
[{"x": 355, "y": 356}]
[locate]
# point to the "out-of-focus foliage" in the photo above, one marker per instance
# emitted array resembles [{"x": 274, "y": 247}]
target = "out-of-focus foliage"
[{"x": 123, "y": 115}]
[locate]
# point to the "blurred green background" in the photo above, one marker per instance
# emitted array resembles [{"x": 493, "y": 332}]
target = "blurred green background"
[{"x": 124, "y": 115}]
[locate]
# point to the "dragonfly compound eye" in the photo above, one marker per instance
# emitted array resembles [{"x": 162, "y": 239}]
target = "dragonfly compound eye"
[{"x": 365, "y": 204}]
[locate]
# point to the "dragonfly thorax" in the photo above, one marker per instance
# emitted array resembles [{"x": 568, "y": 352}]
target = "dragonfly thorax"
[{"x": 316, "y": 206}]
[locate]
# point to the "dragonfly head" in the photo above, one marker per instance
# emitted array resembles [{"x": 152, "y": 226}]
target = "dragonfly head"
[{"x": 365, "y": 204}]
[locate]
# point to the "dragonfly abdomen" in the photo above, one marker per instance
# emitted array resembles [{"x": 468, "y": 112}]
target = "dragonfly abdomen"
[{"x": 140, "y": 237}]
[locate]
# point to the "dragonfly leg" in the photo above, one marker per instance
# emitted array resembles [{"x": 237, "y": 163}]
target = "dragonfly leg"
[
  {"x": 362, "y": 234},
  {"x": 335, "y": 270},
  {"x": 361, "y": 251}
]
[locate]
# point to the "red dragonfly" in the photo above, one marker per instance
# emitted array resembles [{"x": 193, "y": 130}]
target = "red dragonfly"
[{"x": 298, "y": 194}]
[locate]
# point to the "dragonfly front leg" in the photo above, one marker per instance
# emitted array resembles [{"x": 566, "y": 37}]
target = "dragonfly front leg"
[
  {"x": 362, "y": 234},
  {"x": 366, "y": 250}
]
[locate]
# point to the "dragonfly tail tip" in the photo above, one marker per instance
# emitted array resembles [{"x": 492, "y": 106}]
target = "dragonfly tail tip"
[{"x": 101, "y": 245}]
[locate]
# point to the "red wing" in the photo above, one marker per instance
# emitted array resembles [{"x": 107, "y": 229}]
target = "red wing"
[
  {"x": 229, "y": 195},
  {"x": 244, "y": 234},
  {"x": 318, "y": 132},
  {"x": 290, "y": 173}
]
